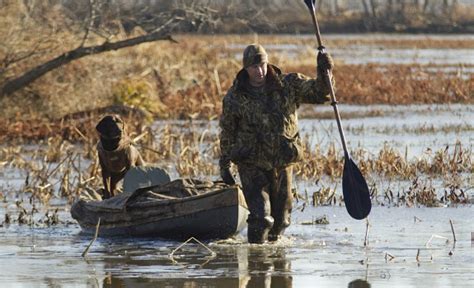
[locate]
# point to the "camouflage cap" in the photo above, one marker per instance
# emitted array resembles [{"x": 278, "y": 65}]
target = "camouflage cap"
[{"x": 254, "y": 54}]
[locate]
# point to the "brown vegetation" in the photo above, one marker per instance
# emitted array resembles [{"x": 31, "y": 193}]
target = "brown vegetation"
[
  {"x": 397, "y": 84},
  {"x": 58, "y": 169},
  {"x": 187, "y": 79}
]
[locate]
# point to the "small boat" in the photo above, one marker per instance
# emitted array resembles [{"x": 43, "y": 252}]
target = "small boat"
[{"x": 175, "y": 210}]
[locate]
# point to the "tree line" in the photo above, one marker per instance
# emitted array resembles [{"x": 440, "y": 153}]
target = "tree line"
[{"x": 280, "y": 16}]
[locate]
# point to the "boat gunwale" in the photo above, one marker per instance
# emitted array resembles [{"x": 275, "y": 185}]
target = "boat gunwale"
[{"x": 157, "y": 202}]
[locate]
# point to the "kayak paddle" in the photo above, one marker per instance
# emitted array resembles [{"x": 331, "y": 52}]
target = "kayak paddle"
[{"x": 354, "y": 187}]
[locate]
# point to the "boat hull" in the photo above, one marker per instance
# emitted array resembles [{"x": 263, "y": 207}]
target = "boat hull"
[{"x": 214, "y": 215}]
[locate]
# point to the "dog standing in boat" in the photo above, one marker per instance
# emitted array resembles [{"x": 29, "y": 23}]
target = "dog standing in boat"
[{"x": 116, "y": 153}]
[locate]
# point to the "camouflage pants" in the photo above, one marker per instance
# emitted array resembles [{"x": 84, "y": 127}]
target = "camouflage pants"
[{"x": 269, "y": 198}]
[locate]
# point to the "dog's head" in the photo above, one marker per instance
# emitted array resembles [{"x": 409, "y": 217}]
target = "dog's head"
[{"x": 111, "y": 129}]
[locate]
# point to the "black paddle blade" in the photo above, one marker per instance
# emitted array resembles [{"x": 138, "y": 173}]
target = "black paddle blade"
[
  {"x": 355, "y": 190},
  {"x": 310, "y": 4}
]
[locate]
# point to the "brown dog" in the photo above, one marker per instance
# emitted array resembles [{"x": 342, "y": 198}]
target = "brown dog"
[{"x": 116, "y": 153}]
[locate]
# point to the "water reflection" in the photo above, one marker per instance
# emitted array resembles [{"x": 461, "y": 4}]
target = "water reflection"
[
  {"x": 243, "y": 267},
  {"x": 359, "y": 283},
  {"x": 265, "y": 269},
  {"x": 50, "y": 257}
]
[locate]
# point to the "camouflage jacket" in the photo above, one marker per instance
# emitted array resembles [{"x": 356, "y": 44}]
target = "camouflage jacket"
[{"x": 265, "y": 122}]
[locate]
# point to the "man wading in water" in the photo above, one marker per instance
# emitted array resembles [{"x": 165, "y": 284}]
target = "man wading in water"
[{"x": 259, "y": 133}]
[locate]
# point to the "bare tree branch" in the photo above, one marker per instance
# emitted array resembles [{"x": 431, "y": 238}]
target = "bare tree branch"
[
  {"x": 92, "y": 8},
  {"x": 35, "y": 73},
  {"x": 14, "y": 57}
]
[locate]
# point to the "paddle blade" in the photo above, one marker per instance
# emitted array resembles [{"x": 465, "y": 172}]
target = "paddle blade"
[
  {"x": 355, "y": 190},
  {"x": 310, "y": 4}
]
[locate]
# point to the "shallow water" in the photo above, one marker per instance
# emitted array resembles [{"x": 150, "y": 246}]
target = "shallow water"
[
  {"x": 410, "y": 129},
  {"x": 452, "y": 60},
  {"x": 330, "y": 255}
]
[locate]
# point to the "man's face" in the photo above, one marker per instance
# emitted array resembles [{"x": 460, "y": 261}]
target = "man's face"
[{"x": 257, "y": 73}]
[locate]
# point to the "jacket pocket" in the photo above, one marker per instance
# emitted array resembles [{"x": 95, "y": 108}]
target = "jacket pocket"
[{"x": 290, "y": 150}]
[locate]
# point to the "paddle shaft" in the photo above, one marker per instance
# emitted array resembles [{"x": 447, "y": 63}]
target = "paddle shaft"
[
  {"x": 354, "y": 187},
  {"x": 328, "y": 81}
]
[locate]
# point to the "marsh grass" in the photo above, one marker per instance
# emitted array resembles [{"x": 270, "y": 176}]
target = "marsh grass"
[{"x": 58, "y": 170}]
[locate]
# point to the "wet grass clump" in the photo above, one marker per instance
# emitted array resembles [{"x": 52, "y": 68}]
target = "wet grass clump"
[{"x": 57, "y": 169}]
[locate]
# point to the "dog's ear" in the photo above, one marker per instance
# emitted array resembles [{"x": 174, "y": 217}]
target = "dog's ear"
[{"x": 120, "y": 123}]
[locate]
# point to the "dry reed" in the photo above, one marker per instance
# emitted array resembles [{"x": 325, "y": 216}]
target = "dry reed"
[{"x": 57, "y": 169}]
